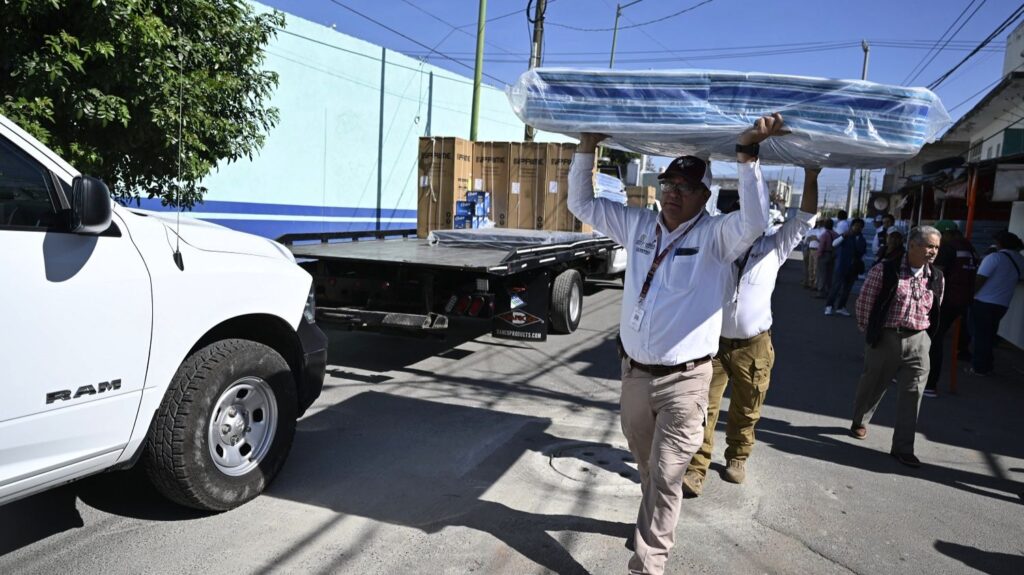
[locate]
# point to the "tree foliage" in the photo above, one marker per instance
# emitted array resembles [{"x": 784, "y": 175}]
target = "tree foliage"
[{"x": 110, "y": 85}]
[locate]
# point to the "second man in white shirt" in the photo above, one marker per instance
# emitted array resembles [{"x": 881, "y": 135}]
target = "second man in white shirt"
[{"x": 745, "y": 352}]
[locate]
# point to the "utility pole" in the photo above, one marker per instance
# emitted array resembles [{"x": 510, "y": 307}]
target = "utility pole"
[
  {"x": 479, "y": 69},
  {"x": 535, "y": 55},
  {"x": 615, "y": 29},
  {"x": 863, "y": 76}
]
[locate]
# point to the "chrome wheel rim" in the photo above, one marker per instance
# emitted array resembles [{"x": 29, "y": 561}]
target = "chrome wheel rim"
[{"x": 242, "y": 426}]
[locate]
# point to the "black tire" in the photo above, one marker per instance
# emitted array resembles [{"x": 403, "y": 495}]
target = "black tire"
[
  {"x": 179, "y": 458},
  {"x": 566, "y": 302}
]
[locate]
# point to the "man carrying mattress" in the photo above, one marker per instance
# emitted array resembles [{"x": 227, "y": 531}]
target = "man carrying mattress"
[
  {"x": 676, "y": 283},
  {"x": 745, "y": 352}
]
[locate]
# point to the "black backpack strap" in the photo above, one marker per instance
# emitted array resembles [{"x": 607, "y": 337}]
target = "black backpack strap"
[{"x": 1015, "y": 266}]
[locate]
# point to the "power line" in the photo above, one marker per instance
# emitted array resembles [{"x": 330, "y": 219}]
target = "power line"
[
  {"x": 413, "y": 40},
  {"x": 908, "y": 44},
  {"x": 943, "y": 35},
  {"x": 377, "y": 58},
  {"x": 725, "y": 56},
  {"x": 452, "y": 26},
  {"x": 999, "y": 29},
  {"x": 649, "y": 36},
  {"x": 937, "y": 52},
  {"x": 985, "y": 89},
  {"x": 655, "y": 21}
]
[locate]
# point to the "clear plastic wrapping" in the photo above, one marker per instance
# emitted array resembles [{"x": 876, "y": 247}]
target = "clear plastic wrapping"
[{"x": 835, "y": 123}]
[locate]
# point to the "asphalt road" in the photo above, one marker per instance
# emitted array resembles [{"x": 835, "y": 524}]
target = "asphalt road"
[{"x": 476, "y": 455}]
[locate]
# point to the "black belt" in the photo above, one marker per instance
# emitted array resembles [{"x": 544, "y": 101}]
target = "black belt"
[
  {"x": 734, "y": 343},
  {"x": 660, "y": 370},
  {"x": 663, "y": 370}
]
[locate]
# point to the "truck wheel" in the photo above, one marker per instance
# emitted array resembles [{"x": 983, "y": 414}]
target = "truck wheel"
[
  {"x": 566, "y": 302},
  {"x": 224, "y": 427}
]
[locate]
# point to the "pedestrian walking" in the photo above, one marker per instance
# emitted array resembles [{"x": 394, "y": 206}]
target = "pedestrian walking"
[
  {"x": 745, "y": 351},
  {"x": 878, "y": 244},
  {"x": 959, "y": 264},
  {"x": 898, "y": 304},
  {"x": 997, "y": 279},
  {"x": 826, "y": 258},
  {"x": 810, "y": 249},
  {"x": 851, "y": 248},
  {"x": 679, "y": 266}
]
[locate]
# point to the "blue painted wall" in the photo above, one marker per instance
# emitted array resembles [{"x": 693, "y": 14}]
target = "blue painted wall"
[{"x": 318, "y": 169}]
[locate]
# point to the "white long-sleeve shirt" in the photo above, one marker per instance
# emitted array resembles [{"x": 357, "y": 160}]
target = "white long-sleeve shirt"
[
  {"x": 749, "y": 312},
  {"x": 683, "y": 310}
]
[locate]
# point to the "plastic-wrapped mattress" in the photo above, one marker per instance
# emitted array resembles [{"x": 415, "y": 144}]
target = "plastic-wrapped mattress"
[{"x": 835, "y": 123}]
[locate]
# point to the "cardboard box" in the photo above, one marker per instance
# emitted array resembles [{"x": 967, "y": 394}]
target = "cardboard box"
[
  {"x": 526, "y": 180},
  {"x": 445, "y": 175},
  {"x": 553, "y": 204},
  {"x": 492, "y": 162},
  {"x": 640, "y": 196}
]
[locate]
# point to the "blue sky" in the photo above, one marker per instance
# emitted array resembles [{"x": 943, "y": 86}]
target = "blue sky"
[{"x": 806, "y": 37}]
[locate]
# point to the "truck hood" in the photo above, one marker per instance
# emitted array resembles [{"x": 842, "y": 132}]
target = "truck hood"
[{"x": 214, "y": 238}]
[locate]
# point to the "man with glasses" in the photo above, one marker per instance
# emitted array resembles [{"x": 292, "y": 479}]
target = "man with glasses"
[
  {"x": 898, "y": 310},
  {"x": 676, "y": 282}
]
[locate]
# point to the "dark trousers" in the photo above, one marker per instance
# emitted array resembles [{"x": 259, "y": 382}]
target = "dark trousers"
[
  {"x": 947, "y": 317},
  {"x": 984, "y": 319},
  {"x": 842, "y": 283},
  {"x": 826, "y": 263}
]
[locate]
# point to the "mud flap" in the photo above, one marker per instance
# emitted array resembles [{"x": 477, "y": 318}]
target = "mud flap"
[{"x": 521, "y": 307}]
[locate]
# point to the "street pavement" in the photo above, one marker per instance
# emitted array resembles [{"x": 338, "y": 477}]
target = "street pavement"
[{"x": 475, "y": 455}]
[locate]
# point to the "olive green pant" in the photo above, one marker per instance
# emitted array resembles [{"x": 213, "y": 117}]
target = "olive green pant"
[{"x": 747, "y": 363}]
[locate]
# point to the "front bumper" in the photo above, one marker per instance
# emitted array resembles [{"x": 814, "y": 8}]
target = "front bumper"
[{"x": 314, "y": 364}]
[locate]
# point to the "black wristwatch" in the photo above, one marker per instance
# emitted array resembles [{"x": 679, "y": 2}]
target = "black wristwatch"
[{"x": 750, "y": 149}]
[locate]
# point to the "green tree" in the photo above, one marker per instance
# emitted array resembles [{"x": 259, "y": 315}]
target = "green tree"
[{"x": 110, "y": 85}]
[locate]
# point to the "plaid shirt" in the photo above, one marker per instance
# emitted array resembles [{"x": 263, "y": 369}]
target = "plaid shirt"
[{"x": 909, "y": 309}]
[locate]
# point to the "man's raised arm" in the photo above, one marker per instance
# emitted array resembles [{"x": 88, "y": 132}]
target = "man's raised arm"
[
  {"x": 607, "y": 217},
  {"x": 738, "y": 230}
]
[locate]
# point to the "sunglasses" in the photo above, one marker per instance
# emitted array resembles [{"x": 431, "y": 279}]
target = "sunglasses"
[{"x": 682, "y": 189}]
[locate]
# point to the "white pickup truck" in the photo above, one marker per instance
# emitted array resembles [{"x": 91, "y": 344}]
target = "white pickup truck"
[{"x": 127, "y": 337}]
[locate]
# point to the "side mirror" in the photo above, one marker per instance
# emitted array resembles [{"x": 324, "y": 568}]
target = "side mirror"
[{"x": 90, "y": 206}]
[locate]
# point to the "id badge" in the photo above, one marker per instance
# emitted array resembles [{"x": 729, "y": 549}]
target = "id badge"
[{"x": 638, "y": 317}]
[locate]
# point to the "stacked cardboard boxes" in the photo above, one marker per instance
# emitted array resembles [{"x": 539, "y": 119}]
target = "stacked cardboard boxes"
[
  {"x": 522, "y": 185},
  {"x": 445, "y": 175}
]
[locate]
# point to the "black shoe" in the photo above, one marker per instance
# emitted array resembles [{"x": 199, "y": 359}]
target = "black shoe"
[
  {"x": 631, "y": 541},
  {"x": 908, "y": 459}
]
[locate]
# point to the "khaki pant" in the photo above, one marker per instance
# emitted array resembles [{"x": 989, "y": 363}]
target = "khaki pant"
[
  {"x": 811, "y": 268},
  {"x": 748, "y": 365},
  {"x": 663, "y": 420},
  {"x": 905, "y": 356}
]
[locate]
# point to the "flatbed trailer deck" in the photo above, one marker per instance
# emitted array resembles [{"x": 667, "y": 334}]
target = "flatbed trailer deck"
[{"x": 523, "y": 281}]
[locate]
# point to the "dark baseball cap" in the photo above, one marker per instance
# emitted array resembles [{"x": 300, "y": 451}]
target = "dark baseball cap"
[{"x": 691, "y": 169}]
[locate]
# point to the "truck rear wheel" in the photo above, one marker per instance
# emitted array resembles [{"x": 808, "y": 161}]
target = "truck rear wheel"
[
  {"x": 224, "y": 427},
  {"x": 566, "y": 301}
]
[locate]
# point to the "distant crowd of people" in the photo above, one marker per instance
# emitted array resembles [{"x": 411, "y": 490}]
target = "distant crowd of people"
[{"x": 978, "y": 288}]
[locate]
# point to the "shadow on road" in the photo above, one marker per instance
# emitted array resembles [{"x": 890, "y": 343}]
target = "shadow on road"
[
  {"x": 989, "y": 562},
  {"x": 822, "y": 443},
  {"x": 425, "y": 465}
]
